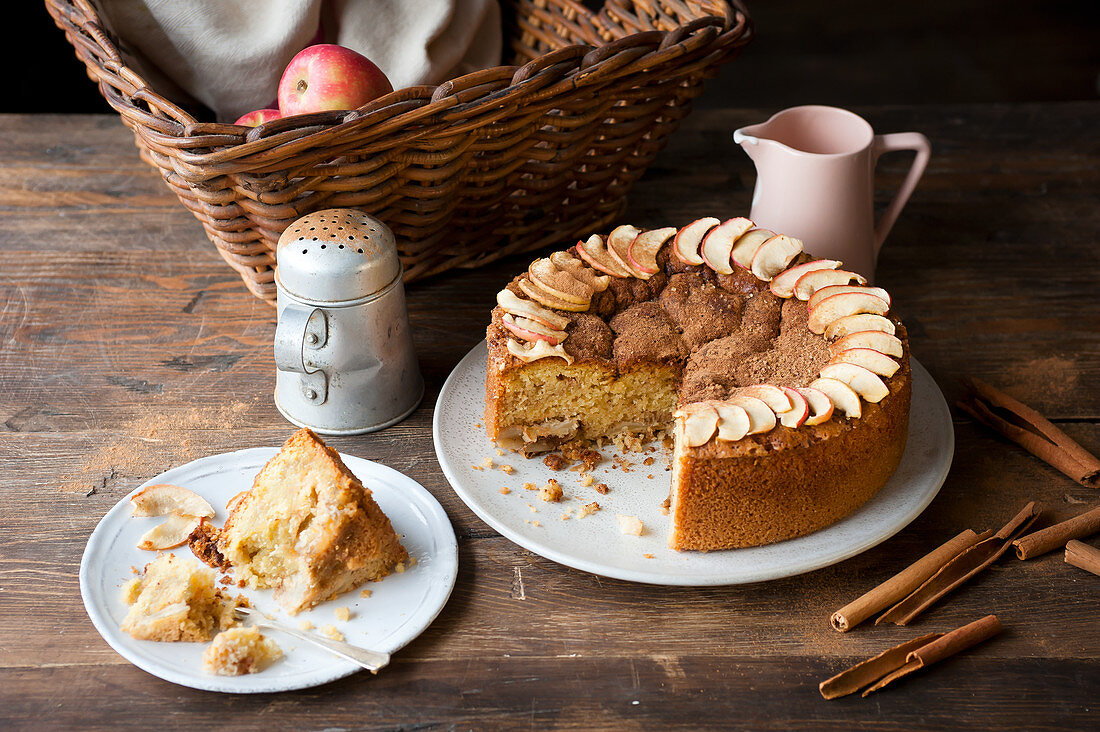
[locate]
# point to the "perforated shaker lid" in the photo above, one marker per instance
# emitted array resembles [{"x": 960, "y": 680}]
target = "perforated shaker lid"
[{"x": 336, "y": 255}]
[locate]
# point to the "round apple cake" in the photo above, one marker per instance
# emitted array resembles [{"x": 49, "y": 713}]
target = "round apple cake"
[{"x": 784, "y": 379}]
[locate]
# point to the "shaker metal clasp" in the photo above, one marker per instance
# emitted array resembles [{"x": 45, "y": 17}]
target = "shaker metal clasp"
[{"x": 301, "y": 330}]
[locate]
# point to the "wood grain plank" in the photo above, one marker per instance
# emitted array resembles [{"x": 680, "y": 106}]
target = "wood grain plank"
[{"x": 975, "y": 691}]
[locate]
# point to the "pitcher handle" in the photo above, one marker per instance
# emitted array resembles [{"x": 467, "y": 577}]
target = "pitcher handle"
[{"x": 889, "y": 143}]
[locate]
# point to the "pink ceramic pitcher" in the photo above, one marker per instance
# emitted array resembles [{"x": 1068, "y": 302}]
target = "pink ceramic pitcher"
[{"x": 815, "y": 169}]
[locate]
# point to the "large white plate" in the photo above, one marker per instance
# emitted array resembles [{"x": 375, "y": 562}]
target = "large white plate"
[
  {"x": 594, "y": 543},
  {"x": 400, "y": 607}
]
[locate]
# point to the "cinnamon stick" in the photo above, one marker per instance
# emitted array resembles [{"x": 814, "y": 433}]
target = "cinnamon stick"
[
  {"x": 1031, "y": 431},
  {"x": 903, "y": 583},
  {"x": 960, "y": 569},
  {"x": 1084, "y": 556},
  {"x": 904, "y": 659},
  {"x": 946, "y": 646},
  {"x": 1053, "y": 537},
  {"x": 868, "y": 672}
]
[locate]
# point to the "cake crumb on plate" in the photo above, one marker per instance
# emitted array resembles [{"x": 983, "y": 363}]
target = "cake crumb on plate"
[
  {"x": 239, "y": 651},
  {"x": 342, "y": 614},
  {"x": 332, "y": 632},
  {"x": 630, "y": 525},
  {"x": 555, "y": 461},
  {"x": 588, "y": 509},
  {"x": 551, "y": 492}
]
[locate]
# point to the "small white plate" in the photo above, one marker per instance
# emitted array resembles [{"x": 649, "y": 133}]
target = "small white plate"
[
  {"x": 400, "y": 607},
  {"x": 594, "y": 543}
]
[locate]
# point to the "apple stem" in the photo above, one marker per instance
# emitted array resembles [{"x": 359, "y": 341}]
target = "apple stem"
[{"x": 302, "y": 86}]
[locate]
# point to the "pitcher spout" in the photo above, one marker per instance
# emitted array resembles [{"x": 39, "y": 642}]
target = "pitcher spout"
[{"x": 749, "y": 138}]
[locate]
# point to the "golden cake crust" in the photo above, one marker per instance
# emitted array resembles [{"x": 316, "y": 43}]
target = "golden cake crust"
[{"x": 787, "y": 482}]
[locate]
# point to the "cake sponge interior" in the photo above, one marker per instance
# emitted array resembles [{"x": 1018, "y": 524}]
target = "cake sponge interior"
[{"x": 308, "y": 528}]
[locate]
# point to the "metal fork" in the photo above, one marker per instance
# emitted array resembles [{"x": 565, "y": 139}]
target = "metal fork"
[{"x": 370, "y": 660}]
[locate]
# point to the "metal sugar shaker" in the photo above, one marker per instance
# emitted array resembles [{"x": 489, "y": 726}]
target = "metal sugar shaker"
[{"x": 343, "y": 349}]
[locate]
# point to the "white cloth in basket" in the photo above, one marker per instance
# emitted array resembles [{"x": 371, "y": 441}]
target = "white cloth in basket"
[{"x": 229, "y": 54}]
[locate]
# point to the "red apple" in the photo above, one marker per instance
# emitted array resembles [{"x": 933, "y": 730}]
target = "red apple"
[
  {"x": 329, "y": 77},
  {"x": 257, "y": 117}
]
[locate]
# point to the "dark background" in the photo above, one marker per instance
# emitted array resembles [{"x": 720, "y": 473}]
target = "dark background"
[{"x": 845, "y": 52}]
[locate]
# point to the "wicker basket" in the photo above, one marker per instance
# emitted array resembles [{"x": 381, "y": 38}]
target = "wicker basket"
[{"x": 501, "y": 161}]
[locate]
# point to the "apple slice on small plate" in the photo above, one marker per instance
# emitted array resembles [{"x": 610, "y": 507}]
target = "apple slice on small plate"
[
  {"x": 171, "y": 533},
  {"x": 163, "y": 499}
]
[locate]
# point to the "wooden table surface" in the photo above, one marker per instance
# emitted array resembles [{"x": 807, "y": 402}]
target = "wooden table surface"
[{"x": 127, "y": 346}]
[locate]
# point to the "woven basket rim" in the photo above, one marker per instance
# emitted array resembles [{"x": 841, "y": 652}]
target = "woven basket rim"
[
  {"x": 177, "y": 128},
  {"x": 518, "y": 155}
]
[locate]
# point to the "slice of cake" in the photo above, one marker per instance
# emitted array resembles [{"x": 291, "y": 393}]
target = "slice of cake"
[
  {"x": 240, "y": 651},
  {"x": 175, "y": 600},
  {"x": 308, "y": 528}
]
